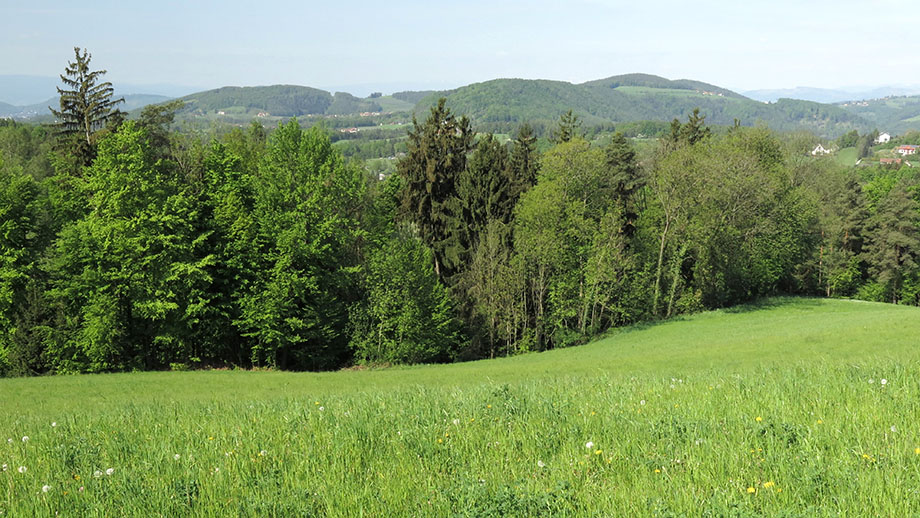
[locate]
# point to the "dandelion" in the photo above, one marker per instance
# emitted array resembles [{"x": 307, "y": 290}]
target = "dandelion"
[
  {"x": 657, "y": 470},
  {"x": 46, "y": 488},
  {"x": 751, "y": 490},
  {"x": 216, "y": 470},
  {"x": 53, "y": 424},
  {"x": 210, "y": 438},
  {"x": 820, "y": 421},
  {"x": 916, "y": 452},
  {"x": 22, "y": 469},
  {"x": 5, "y": 467},
  {"x": 322, "y": 408},
  {"x": 97, "y": 474},
  {"x": 10, "y": 440},
  {"x": 262, "y": 453},
  {"x": 110, "y": 471},
  {"x": 541, "y": 464},
  {"x": 25, "y": 438},
  {"x": 768, "y": 484},
  {"x": 642, "y": 402},
  {"x": 76, "y": 477},
  {"x": 176, "y": 456},
  {"x": 589, "y": 445},
  {"x": 758, "y": 419},
  {"x": 598, "y": 452},
  {"x": 440, "y": 441},
  {"x": 883, "y": 381}
]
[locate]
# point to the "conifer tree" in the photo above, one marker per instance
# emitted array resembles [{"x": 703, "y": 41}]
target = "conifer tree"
[{"x": 86, "y": 105}]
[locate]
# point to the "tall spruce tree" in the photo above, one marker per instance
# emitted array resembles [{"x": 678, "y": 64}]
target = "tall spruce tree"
[
  {"x": 86, "y": 105},
  {"x": 436, "y": 157}
]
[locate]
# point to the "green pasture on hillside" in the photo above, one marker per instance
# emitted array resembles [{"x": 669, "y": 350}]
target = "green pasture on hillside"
[{"x": 791, "y": 407}]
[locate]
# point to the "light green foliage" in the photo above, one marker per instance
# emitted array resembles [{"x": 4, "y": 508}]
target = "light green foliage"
[
  {"x": 682, "y": 417},
  {"x": 123, "y": 274},
  {"x": 409, "y": 316},
  {"x": 306, "y": 204}
]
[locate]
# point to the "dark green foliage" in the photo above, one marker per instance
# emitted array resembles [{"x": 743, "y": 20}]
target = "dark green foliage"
[
  {"x": 893, "y": 244},
  {"x": 435, "y": 160},
  {"x": 280, "y": 100},
  {"x": 86, "y": 106},
  {"x": 569, "y": 128}
]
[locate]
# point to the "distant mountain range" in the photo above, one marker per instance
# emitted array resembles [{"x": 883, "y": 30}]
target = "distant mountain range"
[
  {"x": 502, "y": 104},
  {"x": 827, "y": 95}
]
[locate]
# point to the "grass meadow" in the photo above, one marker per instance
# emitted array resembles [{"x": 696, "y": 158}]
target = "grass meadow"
[{"x": 791, "y": 407}]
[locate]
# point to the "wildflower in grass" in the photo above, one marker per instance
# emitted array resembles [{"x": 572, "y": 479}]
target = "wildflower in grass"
[
  {"x": 916, "y": 452},
  {"x": 53, "y": 424},
  {"x": 210, "y": 438},
  {"x": 871, "y": 381},
  {"x": 25, "y": 438},
  {"x": 22, "y": 469},
  {"x": 883, "y": 381},
  {"x": 589, "y": 445},
  {"x": 456, "y": 422},
  {"x": 97, "y": 474},
  {"x": 657, "y": 470},
  {"x": 758, "y": 419},
  {"x": 893, "y": 429},
  {"x": 322, "y": 408},
  {"x": 262, "y": 453},
  {"x": 751, "y": 490},
  {"x": 76, "y": 477},
  {"x": 5, "y": 467},
  {"x": 10, "y": 440},
  {"x": 176, "y": 456},
  {"x": 598, "y": 452},
  {"x": 46, "y": 488},
  {"x": 541, "y": 464},
  {"x": 642, "y": 402},
  {"x": 110, "y": 471},
  {"x": 440, "y": 441},
  {"x": 768, "y": 484}
]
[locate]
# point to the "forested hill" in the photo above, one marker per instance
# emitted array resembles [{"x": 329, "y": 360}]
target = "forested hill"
[
  {"x": 276, "y": 100},
  {"x": 635, "y": 97}
]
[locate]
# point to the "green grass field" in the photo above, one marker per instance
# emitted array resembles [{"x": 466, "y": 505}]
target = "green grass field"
[
  {"x": 847, "y": 156},
  {"x": 791, "y": 407}
]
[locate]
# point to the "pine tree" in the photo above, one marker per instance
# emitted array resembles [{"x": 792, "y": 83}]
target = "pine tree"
[
  {"x": 86, "y": 107},
  {"x": 568, "y": 129}
]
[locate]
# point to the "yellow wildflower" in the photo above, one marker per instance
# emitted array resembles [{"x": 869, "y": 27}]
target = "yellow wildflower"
[
  {"x": 917, "y": 451},
  {"x": 751, "y": 490},
  {"x": 598, "y": 452},
  {"x": 758, "y": 419},
  {"x": 768, "y": 484}
]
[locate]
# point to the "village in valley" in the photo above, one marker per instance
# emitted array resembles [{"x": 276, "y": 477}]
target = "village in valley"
[{"x": 885, "y": 150}]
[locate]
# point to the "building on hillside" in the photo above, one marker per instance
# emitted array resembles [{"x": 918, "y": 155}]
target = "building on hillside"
[
  {"x": 890, "y": 161},
  {"x": 820, "y": 150},
  {"x": 907, "y": 150},
  {"x": 884, "y": 138}
]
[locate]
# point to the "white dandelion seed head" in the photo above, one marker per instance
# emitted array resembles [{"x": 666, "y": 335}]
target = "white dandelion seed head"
[
  {"x": 110, "y": 471},
  {"x": 53, "y": 424},
  {"x": 642, "y": 402},
  {"x": 25, "y": 438},
  {"x": 883, "y": 381},
  {"x": 10, "y": 440},
  {"x": 589, "y": 445},
  {"x": 5, "y": 467},
  {"x": 46, "y": 488},
  {"x": 216, "y": 470},
  {"x": 176, "y": 456},
  {"x": 22, "y": 469},
  {"x": 322, "y": 408},
  {"x": 456, "y": 422},
  {"x": 97, "y": 474},
  {"x": 263, "y": 453},
  {"x": 541, "y": 464}
]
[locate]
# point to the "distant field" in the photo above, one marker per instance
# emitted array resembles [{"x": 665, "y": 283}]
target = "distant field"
[
  {"x": 847, "y": 156},
  {"x": 793, "y": 407},
  {"x": 391, "y": 104}
]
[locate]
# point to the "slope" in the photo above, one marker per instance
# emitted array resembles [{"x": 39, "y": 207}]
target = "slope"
[{"x": 634, "y": 97}]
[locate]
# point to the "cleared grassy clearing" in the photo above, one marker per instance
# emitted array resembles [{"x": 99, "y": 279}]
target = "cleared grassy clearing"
[{"x": 764, "y": 410}]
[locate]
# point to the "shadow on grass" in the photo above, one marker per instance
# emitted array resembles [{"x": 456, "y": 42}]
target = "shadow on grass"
[{"x": 775, "y": 302}]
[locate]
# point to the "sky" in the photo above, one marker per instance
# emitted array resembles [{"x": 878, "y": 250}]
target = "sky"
[{"x": 395, "y": 45}]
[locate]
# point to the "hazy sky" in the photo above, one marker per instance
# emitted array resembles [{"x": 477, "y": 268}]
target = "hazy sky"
[{"x": 739, "y": 44}]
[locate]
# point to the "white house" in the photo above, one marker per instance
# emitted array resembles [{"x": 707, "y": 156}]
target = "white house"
[
  {"x": 883, "y": 138},
  {"x": 820, "y": 150},
  {"x": 907, "y": 150}
]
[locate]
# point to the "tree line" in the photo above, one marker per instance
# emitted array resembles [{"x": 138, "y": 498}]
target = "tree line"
[{"x": 137, "y": 247}]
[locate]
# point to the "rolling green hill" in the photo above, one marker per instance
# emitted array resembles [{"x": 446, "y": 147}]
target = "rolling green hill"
[
  {"x": 895, "y": 115},
  {"x": 635, "y": 97},
  {"x": 790, "y": 407}
]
